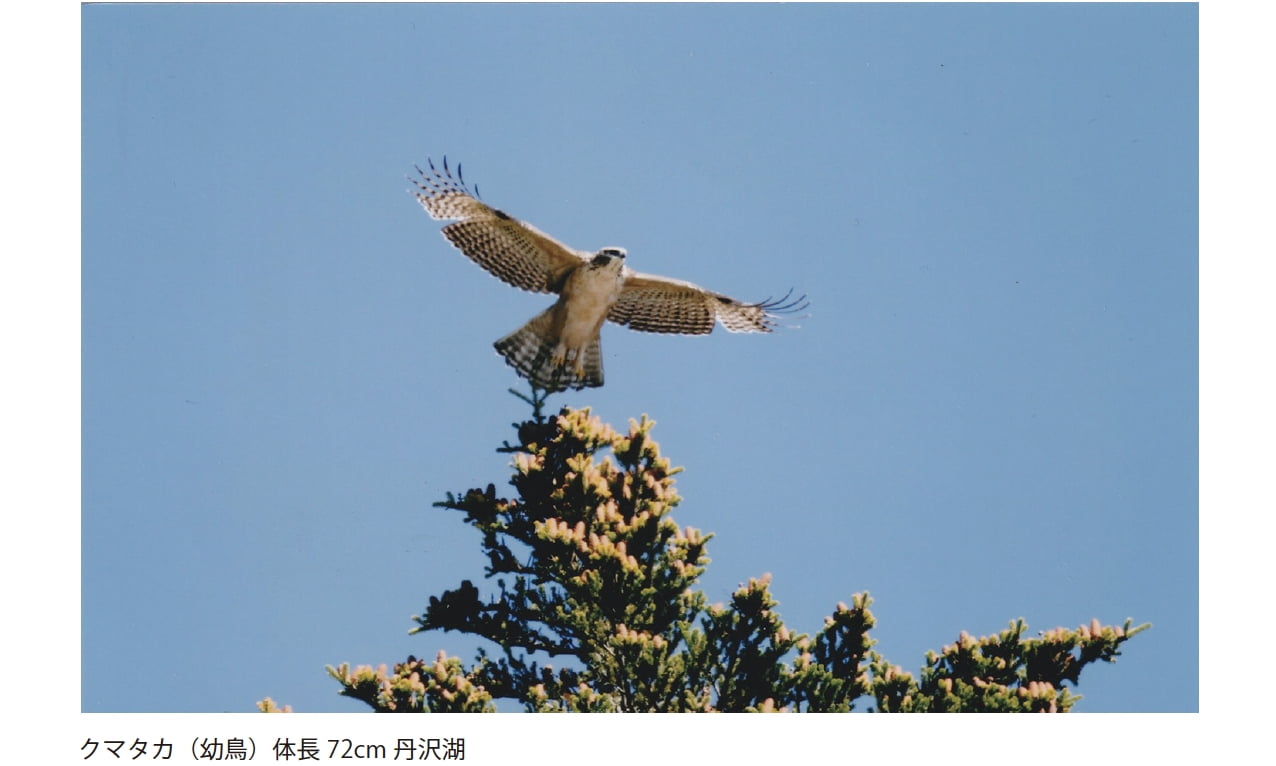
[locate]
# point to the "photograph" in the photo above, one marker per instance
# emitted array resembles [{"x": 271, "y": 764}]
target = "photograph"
[{"x": 647, "y": 358}]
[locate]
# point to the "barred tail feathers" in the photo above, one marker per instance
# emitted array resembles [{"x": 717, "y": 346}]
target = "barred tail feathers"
[{"x": 531, "y": 350}]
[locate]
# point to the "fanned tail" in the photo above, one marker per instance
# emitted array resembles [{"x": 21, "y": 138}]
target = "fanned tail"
[{"x": 531, "y": 348}]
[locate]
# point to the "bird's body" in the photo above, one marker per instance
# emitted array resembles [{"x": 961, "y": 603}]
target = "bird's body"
[{"x": 560, "y": 348}]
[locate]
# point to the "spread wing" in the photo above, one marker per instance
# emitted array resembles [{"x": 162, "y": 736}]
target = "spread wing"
[
  {"x": 514, "y": 251},
  {"x": 658, "y": 304}
]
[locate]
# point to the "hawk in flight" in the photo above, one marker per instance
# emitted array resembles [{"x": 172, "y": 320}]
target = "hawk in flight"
[{"x": 560, "y": 347}]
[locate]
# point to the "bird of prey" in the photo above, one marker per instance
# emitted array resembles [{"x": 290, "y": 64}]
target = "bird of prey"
[{"x": 560, "y": 347}]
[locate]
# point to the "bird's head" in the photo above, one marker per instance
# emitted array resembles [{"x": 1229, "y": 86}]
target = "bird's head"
[
  {"x": 605, "y": 256},
  {"x": 610, "y": 259}
]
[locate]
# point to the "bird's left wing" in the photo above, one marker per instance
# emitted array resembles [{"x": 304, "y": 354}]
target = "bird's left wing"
[
  {"x": 652, "y": 303},
  {"x": 516, "y": 252}
]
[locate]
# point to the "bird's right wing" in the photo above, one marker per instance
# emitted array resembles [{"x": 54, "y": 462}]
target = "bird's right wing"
[
  {"x": 652, "y": 303},
  {"x": 515, "y": 252}
]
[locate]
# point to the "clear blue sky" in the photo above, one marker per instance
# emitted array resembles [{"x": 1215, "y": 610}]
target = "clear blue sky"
[{"x": 990, "y": 413}]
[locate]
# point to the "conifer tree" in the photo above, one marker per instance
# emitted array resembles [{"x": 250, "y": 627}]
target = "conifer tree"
[{"x": 595, "y": 610}]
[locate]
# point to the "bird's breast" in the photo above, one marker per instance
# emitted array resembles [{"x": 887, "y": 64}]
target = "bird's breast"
[{"x": 587, "y": 296}]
